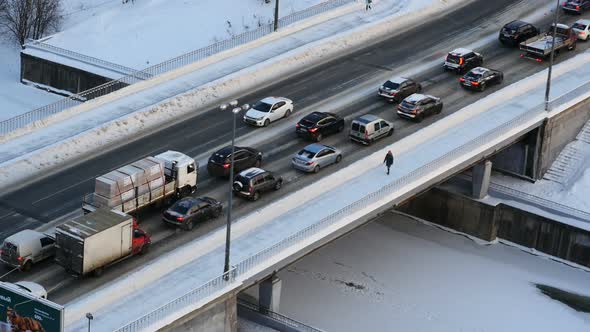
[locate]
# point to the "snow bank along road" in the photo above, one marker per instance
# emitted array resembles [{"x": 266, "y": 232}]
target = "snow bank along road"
[
  {"x": 351, "y": 80},
  {"x": 453, "y": 143}
]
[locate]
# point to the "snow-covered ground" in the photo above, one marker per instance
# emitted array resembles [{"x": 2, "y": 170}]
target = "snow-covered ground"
[
  {"x": 397, "y": 274},
  {"x": 148, "y": 32},
  {"x": 198, "y": 261}
]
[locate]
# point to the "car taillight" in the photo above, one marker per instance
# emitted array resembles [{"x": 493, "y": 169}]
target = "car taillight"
[
  {"x": 414, "y": 111},
  {"x": 392, "y": 94},
  {"x": 475, "y": 83},
  {"x": 309, "y": 163},
  {"x": 521, "y": 55},
  {"x": 313, "y": 130},
  {"x": 461, "y": 79},
  {"x": 251, "y": 190},
  {"x": 20, "y": 259},
  {"x": 181, "y": 219},
  {"x": 577, "y": 7},
  {"x": 461, "y": 60},
  {"x": 297, "y": 126},
  {"x": 226, "y": 165},
  {"x": 538, "y": 60},
  {"x": 366, "y": 135}
]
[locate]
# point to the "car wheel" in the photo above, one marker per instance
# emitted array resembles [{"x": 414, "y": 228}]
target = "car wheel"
[
  {"x": 316, "y": 169},
  {"x": 339, "y": 158},
  {"x": 318, "y": 137},
  {"x": 482, "y": 87},
  {"x": 287, "y": 113},
  {"x": 266, "y": 122},
  {"x": 438, "y": 110},
  {"x": 340, "y": 128},
  {"x": 189, "y": 225},
  {"x": 255, "y": 196},
  {"x": 573, "y": 47},
  {"x": 145, "y": 249},
  {"x": 390, "y": 132},
  {"x": 98, "y": 272},
  {"x": 419, "y": 88},
  {"x": 258, "y": 163},
  {"x": 278, "y": 185},
  {"x": 420, "y": 117},
  {"x": 217, "y": 213},
  {"x": 27, "y": 266}
]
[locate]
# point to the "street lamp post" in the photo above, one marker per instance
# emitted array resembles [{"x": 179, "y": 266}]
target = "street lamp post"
[
  {"x": 90, "y": 317},
  {"x": 235, "y": 111},
  {"x": 548, "y": 87}
]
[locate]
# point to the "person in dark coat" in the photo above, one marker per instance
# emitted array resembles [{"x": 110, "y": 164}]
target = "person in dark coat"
[{"x": 388, "y": 160}]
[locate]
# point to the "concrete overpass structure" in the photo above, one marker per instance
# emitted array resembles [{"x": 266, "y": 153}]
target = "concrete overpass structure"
[{"x": 510, "y": 128}]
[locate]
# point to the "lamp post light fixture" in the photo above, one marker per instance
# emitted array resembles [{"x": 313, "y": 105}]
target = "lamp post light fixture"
[
  {"x": 90, "y": 317},
  {"x": 235, "y": 111},
  {"x": 551, "y": 57}
]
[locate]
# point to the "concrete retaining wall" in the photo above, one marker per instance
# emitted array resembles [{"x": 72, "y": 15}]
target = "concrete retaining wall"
[
  {"x": 558, "y": 131},
  {"x": 218, "y": 316},
  {"x": 488, "y": 222}
]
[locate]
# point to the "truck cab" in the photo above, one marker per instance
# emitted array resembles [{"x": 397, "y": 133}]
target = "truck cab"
[{"x": 181, "y": 169}]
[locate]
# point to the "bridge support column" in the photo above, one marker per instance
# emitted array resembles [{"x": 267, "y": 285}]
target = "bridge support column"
[
  {"x": 481, "y": 179},
  {"x": 269, "y": 293}
]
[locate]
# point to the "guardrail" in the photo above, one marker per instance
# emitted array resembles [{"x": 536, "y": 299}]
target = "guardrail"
[
  {"x": 244, "y": 266},
  {"x": 284, "y": 320},
  {"x": 40, "y": 113},
  {"x": 82, "y": 58}
]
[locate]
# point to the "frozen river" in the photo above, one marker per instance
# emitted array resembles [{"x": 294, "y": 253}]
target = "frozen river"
[{"x": 398, "y": 274}]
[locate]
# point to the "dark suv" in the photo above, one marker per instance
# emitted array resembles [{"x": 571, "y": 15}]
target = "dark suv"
[
  {"x": 220, "y": 161},
  {"x": 461, "y": 60},
  {"x": 516, "y": 32},
  {"x": 575, "y": 6},
  {"x": 317, "y": 125},
  {"x": 252, "y": 182}
]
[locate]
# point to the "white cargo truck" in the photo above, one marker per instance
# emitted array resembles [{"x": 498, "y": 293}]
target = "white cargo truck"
[
  {"x": 93, "y": 241},
  {"x": 144, "y": 182}
]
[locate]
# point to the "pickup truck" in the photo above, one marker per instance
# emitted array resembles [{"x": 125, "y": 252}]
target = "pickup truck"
[
  {"x": 539, "y": 48},
  {"x": 89, "y": 243}
]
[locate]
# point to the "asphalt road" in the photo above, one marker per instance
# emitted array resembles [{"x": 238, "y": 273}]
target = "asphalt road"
[{"x": 338, "y": 82}]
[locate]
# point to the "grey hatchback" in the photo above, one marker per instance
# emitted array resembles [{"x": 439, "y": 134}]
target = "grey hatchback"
[{"x": 316, "y": 156}]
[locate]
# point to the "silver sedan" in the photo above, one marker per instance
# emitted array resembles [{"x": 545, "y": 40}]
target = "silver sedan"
[{"x": 315, "y": 156}]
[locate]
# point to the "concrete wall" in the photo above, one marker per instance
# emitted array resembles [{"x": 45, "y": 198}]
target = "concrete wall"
[
  {"x": 558, "y": 131},
  {"x": 521, "y": 157},
  {"x": 218, "y": 316},
  {"x": 488, "y": 222}
]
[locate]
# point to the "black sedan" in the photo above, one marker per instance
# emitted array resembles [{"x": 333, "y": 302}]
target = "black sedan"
[
  {"x": 190, "y": 210},
  {"x": 516, "y": 32},
  {"x": 575, "y": 6},
  {"x": 398, "y": 88},
  {"x": 418, "y": 106},
  {"x": 480, "y": 78},
  {"x": 244, "y": 158},
  {"x": 317, "y": 125}
]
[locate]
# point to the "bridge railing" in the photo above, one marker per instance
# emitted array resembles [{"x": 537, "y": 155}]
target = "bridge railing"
[
  {"x": 284, "y": 320},
  {"x": 264, "y": 29},
  {"x": 246, "y": 265}
]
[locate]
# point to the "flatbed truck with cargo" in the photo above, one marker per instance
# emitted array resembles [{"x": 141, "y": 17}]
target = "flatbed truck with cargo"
[{"x": 538, "y": 48}]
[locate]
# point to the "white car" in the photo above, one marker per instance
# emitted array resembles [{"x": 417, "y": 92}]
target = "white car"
[
  {"x": 30, "y": 287},
  {"x": 581, "y": 29},
  {"x": 268, "y": 110}
]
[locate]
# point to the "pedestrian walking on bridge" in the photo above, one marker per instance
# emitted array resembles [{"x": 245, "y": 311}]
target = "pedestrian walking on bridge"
[{"x": 388, "y": 160}]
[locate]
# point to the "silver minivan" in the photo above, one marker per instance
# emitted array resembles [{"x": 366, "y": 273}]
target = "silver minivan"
[
  {"x": 25, "y": 248},
  {"x": 368, "y": 128}
]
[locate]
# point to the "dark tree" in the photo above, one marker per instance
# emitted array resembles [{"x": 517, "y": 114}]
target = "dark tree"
[{"x": 23, "y": 19}]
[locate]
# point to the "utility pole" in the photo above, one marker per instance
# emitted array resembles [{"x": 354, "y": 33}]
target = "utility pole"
[
  {"x": 276, "y": 15},
  {"x": 548, "y": 87}
]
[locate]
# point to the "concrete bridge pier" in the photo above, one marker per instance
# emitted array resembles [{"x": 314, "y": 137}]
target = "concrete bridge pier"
[
  {"x": 481, "y": 179},
  {"x": 269, "y": 293}
]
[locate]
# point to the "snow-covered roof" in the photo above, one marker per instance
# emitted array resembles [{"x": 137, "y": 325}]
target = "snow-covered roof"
[
  {"x": 367, "y": 118},
  {"x": 252, "y": 171},
  {"x": 584, "y": 22},
  {"x": 272, "y": 100},
  {"x": 479, "y": 70},
  {"x": 416, "y": 97},
  {"x": 461, "y": 51},
  {"x": 171, "y": 156},
  {"x": 315, "y": 147},
  {"x": 398, "y": 79},
  {"x": 24, "y": 235}
]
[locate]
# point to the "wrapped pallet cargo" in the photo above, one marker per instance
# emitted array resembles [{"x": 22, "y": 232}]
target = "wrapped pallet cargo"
[{"x": 168, "y": 175}]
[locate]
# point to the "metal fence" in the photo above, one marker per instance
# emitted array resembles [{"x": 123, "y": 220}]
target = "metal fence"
[
  {"x": 246, "y": 265},
  {"x": 41, "y": 113}
]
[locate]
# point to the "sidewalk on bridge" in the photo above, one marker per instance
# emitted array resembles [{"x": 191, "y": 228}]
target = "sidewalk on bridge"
[
  {"x": 132, "y": 112},
  {"x": 172, "y": 276}
]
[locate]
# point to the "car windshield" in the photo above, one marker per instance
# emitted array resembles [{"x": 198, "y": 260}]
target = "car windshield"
[
  {"x": 453, "y": 58},
  {"x": 262, "y": 106},
  {"x": 508, "y": 30},
  {"x": 473, "y": 76},
  {"x": 181, "y": 207},
  {"x": 391, "y": 85},
  {"x": 307, "y": 154},
  {"x": 579, "y": 26}
]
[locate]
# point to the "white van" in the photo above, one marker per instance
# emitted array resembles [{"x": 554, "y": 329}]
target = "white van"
[
  {"x": 28, "y": 286},
  {"x": 27, "y": 247},
  {"x": 368, "y": 128}
]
